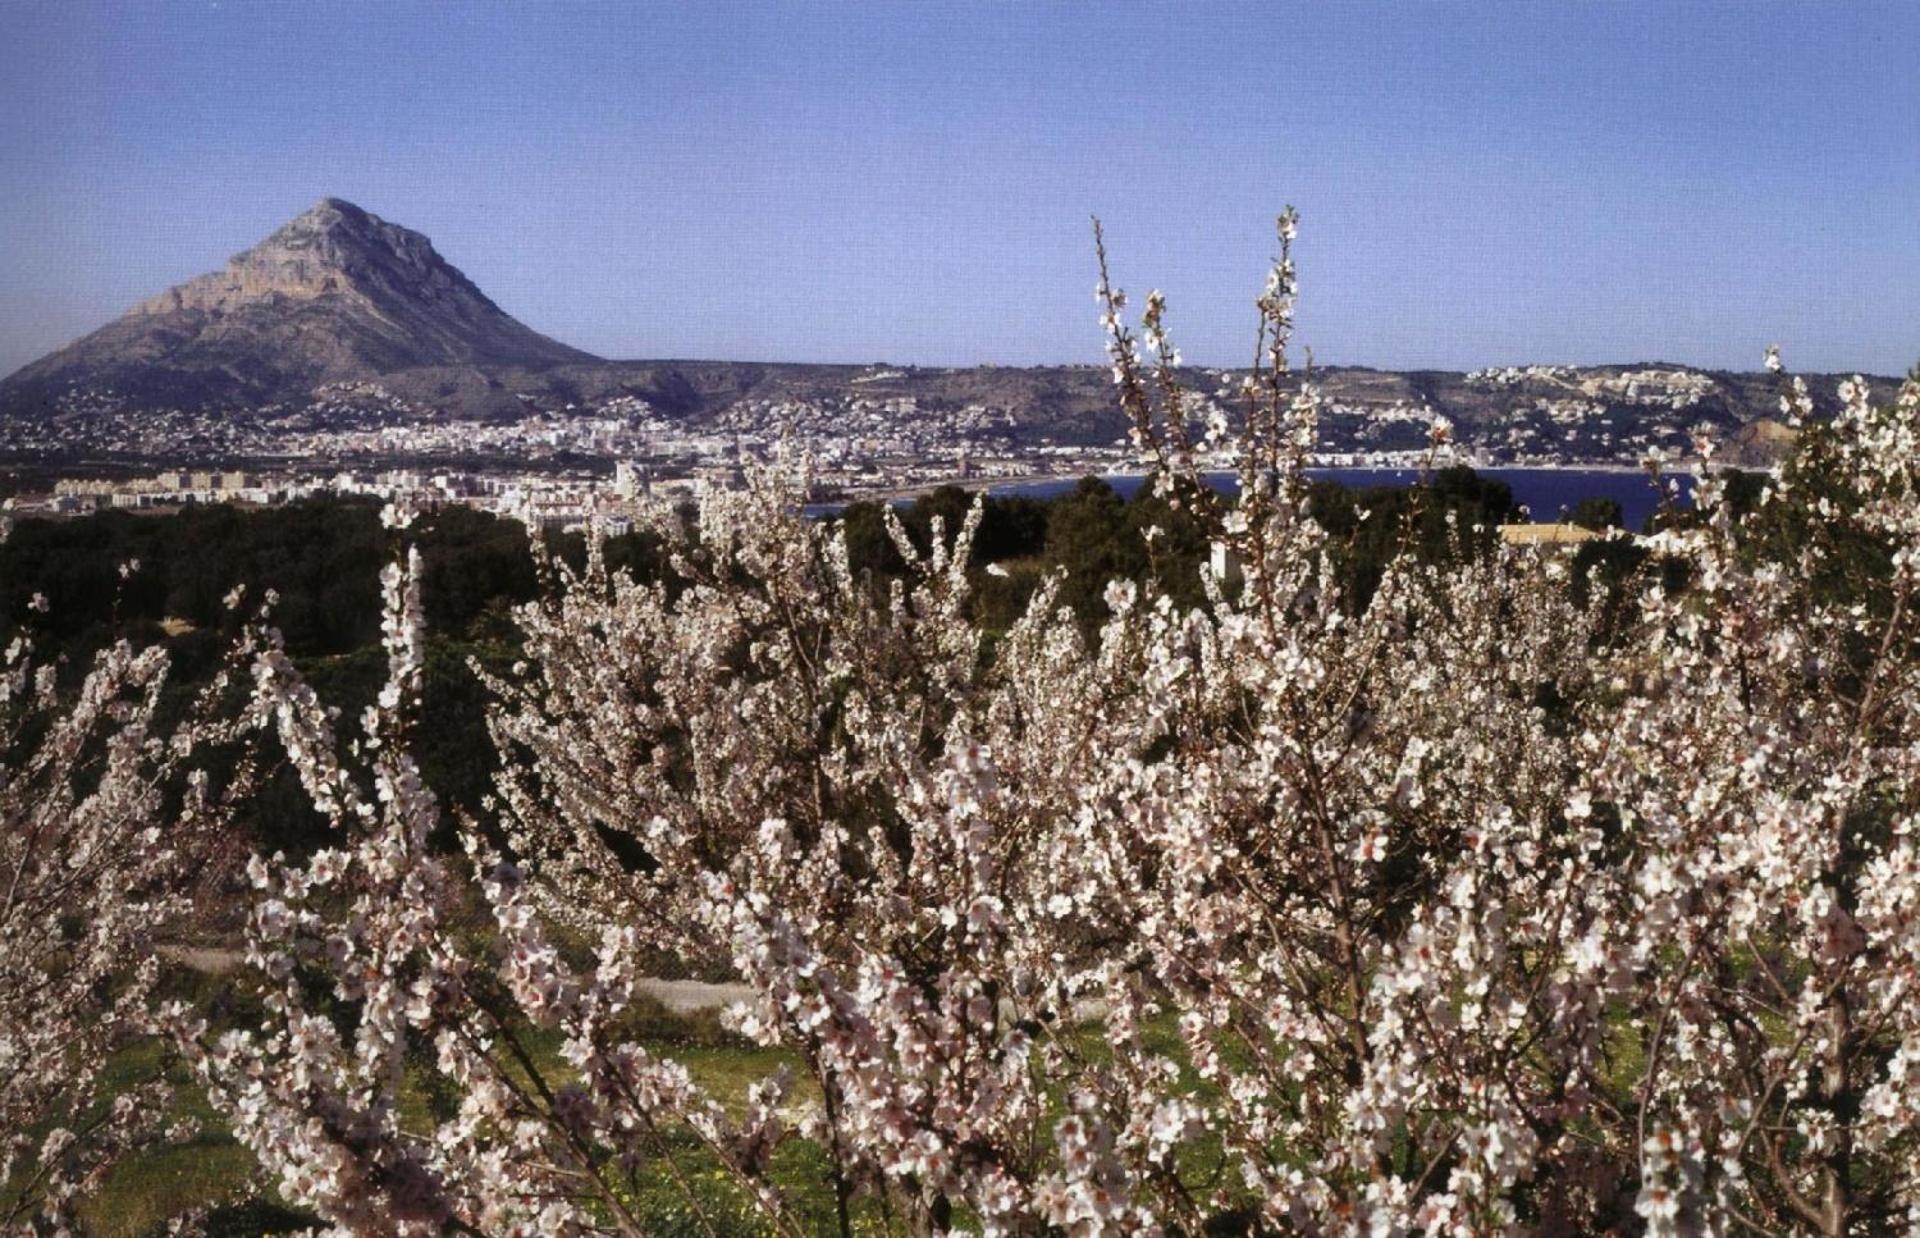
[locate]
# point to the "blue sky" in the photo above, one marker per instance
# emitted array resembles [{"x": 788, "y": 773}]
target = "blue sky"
[{"x": 1485, "y": 183}]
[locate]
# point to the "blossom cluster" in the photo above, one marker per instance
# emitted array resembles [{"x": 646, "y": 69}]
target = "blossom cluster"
[{"x": 108, "y": 829}]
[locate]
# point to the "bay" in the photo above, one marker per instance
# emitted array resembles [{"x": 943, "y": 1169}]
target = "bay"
[{"x": 1547, "y": 494}]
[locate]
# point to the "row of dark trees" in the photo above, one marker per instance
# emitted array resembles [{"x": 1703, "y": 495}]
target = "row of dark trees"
[{"x": 323, "y": 559}]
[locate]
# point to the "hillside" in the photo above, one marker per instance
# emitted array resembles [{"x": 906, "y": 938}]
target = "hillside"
[{"x": 335, "y": 295}]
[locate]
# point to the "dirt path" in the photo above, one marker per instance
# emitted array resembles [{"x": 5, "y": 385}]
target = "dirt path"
[
  {"x": 678, "y": 996},
  {"x": 692, "y": 996}
]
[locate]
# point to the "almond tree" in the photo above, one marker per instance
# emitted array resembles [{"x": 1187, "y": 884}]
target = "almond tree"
[
  {"x": 1453, "y": 911},
  {"x": 1764, "y": 769},
  {"x": 108, "y": 826}
]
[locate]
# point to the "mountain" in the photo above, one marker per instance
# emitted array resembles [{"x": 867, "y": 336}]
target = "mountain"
[
  {"x": 342, "y": 320},
  {"x": 335, "y": 295}
]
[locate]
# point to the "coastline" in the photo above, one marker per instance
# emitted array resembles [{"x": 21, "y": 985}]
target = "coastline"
[
  {"x": 1680, "y": 468},
  {"x": 1544, "y": 491}
]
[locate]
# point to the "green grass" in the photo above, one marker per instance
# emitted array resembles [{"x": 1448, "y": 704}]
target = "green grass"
[
  {"x": 144, "y": 1191},
  {"x": 149, "y": 1187}
]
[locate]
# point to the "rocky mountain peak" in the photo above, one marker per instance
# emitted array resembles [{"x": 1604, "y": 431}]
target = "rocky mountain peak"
[
  {"x": 334, "y": 294},
  {"x": 333, "y": 249},
  {"x": 334, "y": 232}
]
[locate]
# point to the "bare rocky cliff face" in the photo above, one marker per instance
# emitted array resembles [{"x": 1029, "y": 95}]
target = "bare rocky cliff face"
[{"x": 336, "y": 294}]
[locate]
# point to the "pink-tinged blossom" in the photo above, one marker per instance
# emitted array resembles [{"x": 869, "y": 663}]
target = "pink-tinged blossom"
[{"x": 107, "y": 833}]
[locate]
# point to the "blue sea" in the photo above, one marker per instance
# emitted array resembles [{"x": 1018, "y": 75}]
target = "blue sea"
[{"x": 1545, "y": 493}]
